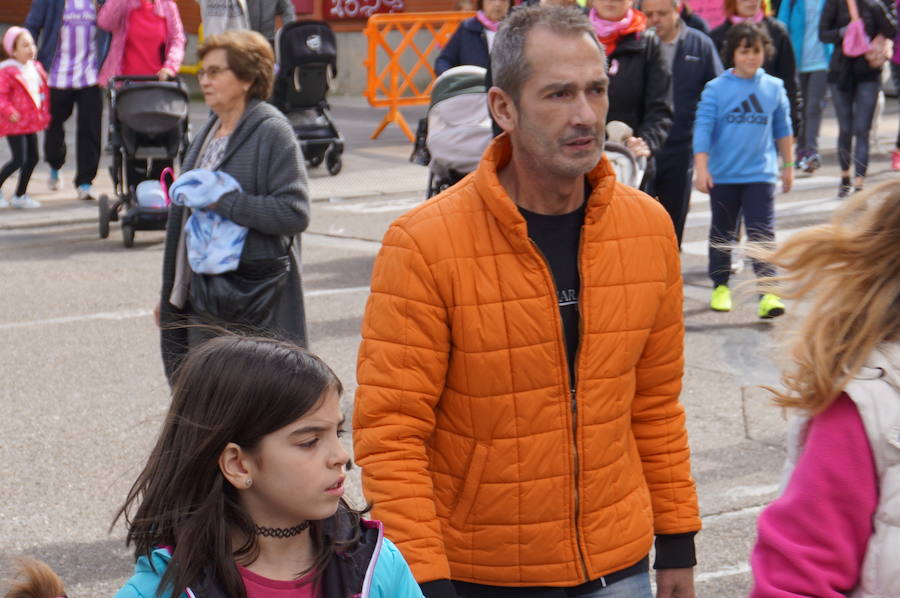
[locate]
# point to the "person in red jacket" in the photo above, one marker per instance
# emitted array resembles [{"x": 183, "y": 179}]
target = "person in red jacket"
[{"x": 24, "y": 110}]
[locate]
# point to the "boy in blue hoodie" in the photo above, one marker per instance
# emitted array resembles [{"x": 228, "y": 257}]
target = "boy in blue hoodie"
[{"x": 742, "y": 116}]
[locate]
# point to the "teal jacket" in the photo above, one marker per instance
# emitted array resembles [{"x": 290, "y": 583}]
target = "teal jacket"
[
  {"x": 793, "y": 14},
  {"x": 374, "y": 569}
]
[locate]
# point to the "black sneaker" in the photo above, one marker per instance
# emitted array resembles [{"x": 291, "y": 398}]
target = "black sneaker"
[{"x": 845, "y": 189}]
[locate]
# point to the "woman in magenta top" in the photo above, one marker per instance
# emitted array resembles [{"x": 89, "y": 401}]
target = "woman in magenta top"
[{"x": 147, "y": 38}]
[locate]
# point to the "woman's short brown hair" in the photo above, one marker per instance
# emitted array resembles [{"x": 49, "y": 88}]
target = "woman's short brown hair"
[{"x": 250, "y": 58}]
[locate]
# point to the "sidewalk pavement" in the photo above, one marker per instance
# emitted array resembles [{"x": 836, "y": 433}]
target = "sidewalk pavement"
[{"x": 372, "y": 168}]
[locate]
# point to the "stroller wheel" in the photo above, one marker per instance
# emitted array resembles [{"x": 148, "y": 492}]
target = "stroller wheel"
[
  {"x": 103, "y": 207},
  {"x": 316, "y": 159},
  {"x": 127, "y": 235},
  {"x": 333, "y": 162}
]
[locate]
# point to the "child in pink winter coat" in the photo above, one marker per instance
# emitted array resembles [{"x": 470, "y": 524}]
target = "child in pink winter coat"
[
  {"x": 835, "y": 530},
  {"x": 24, "y": 110}
]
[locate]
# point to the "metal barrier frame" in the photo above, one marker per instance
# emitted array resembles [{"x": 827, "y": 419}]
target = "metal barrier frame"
[{"x": 393, "y": 86}]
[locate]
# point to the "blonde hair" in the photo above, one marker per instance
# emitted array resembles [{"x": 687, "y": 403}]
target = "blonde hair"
[{"x": 848, "y": 271}]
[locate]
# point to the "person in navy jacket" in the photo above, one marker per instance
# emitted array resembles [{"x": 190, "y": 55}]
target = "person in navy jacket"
[
  {"x": 471, "y": 44},
  {"x": 693, "y": 59}
]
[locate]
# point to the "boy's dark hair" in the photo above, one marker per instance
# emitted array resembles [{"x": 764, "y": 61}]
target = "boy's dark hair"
[
  {"x": 746, "y": 34},
  {"x": 230, "y": 389}
]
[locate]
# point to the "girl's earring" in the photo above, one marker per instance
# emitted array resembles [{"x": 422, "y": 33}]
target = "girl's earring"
[{"x": 248, "y": 482}]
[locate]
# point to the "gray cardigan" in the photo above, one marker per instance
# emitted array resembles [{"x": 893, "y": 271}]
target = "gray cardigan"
[{"x": 264, "y": 157}]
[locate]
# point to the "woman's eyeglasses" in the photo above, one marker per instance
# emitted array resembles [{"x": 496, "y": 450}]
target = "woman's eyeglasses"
[{"x": 212, "y": 72}]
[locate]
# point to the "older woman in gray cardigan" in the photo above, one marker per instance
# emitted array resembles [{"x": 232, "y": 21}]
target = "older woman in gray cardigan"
[{"x": 254, "y": 143}]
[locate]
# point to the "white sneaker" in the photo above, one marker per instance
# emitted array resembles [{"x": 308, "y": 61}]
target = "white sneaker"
[
  {"x": 84, "y": 192},
  {"x": 23, "y": 202},
  {"x": 53, "y": 182}
]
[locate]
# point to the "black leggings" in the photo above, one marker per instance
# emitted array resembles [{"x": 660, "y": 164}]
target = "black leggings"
[{"x": 24, "y": 159}]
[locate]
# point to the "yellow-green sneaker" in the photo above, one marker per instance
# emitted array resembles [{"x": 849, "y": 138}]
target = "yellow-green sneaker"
[
  {"x": 721, "y": 298},
  {"x": 770, "y": 306}
]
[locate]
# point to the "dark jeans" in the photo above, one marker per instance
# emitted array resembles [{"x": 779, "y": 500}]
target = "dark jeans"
[
  {"x": 814, "y": 91},
  {"x": 674, "y": 171},
  {"x": 854, "y": 109},
  {"x": 895, "y": 74},
  {"x": 757, "y": 202},
  {"x": 24, "y": 159},
  {"x": 89, "y": 101}
]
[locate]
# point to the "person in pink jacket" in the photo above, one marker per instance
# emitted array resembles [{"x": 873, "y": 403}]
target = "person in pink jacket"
[
  {"x": 147, "y": 38},
  {"x": 24, "y": 110},
  {"x": 835, "y": 530}
]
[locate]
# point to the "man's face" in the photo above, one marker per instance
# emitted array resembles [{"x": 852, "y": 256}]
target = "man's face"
[
  {"x": 662, "y": 15},
  {"x": 559, "y": 121}
]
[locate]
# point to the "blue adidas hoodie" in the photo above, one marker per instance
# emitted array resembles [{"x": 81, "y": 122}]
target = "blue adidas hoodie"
[{"x": 738, "y": 121}]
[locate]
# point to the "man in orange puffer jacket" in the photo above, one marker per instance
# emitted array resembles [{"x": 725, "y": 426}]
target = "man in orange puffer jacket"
[{"x": 517, "y": 416}]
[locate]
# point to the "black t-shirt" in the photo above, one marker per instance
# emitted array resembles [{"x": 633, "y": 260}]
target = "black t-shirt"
[{"x": 558, "y": 237}]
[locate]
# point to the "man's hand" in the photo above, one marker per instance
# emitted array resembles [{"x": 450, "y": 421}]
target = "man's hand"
[
  {"x": 675, "y": 583},
  {"x": 638, "y": 147},
  {"x": 14, "y": 117},
  {"x": 787, "y": 178},
  {"x": 165, "y": 74}
]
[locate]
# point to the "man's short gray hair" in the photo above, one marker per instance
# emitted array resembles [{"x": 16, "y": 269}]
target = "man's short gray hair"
[{"x": 509, "y": 67}]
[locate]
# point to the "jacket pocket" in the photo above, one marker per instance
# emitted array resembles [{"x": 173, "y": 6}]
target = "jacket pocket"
[{"x": 469, "y": 490}]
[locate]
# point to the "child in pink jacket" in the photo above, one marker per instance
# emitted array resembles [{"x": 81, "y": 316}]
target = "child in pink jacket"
[
  {"x": 24, "y": 110},
  {"x": 835, "y": 530}
]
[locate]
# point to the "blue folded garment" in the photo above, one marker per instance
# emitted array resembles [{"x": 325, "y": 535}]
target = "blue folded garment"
[{"x": 214, "y": 243}]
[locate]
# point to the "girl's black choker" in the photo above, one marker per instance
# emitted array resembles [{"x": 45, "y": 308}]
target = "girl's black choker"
[{"x": 281, "y": 532}]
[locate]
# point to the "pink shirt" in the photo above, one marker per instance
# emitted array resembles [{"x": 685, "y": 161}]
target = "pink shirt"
[
  {"x": 813, "y": 538},
  {"x": 258, "y": 586},
  {"x": 145, "y": 45}
]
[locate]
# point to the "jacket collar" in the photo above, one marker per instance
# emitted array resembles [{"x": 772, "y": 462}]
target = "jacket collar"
[
  {"x": 602, "y": 180},
  {"x": 253, "y": 114}
]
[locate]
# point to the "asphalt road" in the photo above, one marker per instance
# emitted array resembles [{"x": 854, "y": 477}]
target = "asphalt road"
[{"x": 83, "y": 393}]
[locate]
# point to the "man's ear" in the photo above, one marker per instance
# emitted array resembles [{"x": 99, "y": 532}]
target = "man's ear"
[
  {"x": 502, "y": 108},
  {"x": 234, "y": 465}
]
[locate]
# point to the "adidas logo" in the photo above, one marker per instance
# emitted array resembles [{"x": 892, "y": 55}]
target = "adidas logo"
[{"x": 750, "y": 111}]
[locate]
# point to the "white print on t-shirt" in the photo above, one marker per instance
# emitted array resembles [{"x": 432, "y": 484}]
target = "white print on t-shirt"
[{"x": 568, "y": 297}]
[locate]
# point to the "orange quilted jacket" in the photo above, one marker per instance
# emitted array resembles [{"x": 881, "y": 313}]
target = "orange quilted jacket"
[{"x": 481, "y": 465}]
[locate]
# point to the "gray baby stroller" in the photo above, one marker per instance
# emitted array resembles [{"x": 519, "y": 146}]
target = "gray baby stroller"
[
  {"x": 148, "y": 130},
  {"x": 457, "y": 129},
  {"x": 306, "y": 53}
]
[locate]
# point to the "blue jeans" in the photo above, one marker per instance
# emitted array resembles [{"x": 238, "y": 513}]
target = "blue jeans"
[
  {"x": 895, "y": 74},
  {"x": 854, "y": 109},
  {"x": 814, "y": 91},
  {"x": 636, "y": 586}
]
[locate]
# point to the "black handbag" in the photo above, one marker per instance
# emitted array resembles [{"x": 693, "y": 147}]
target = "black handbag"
[{"x": 246, "y": 296}]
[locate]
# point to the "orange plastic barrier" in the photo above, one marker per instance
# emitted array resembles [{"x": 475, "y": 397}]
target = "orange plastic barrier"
[{"x": 392, "y": 85}]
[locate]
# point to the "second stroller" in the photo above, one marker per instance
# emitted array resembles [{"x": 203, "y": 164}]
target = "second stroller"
[
  {"x": 306, "y": 54},
  {"x": 458, "y": 127}
]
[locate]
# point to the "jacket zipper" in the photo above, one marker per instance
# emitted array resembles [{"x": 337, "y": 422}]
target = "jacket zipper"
[{"x": 572, "y": 396}]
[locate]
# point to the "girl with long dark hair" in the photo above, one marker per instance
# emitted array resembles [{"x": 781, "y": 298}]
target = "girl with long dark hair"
[{"x": 242, "y": 493}]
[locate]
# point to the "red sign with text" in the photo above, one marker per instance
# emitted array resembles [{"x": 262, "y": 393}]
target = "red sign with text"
[{"x": 360, "y": 9}]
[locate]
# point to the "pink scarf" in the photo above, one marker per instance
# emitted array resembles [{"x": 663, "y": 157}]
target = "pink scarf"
[
  {"x": 758, "y": 17},
  {"x": 604, "y": 28},
  {"x": 488, "y": 23}
]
